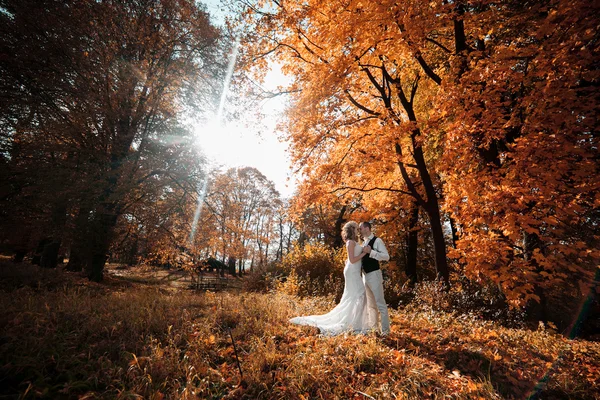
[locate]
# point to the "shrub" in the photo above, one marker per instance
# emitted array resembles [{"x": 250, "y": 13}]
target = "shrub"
[
  {"x": 465, "y": 296},
  {"x": 318, "y": 270},
  {"x": 263, "y": 278}
]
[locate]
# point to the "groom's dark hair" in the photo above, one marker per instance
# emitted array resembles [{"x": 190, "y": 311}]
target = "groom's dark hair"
[{"x": 366, "y": 223}]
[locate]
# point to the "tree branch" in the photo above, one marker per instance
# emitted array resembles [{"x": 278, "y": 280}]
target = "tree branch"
[
  {"x": 447, "y": 50},
  {"x": 427, "y": 69},
  {"x": 357, "y": 189},
  {"x": 409, "y": 183},
  {"x": 360, "y": 106}
]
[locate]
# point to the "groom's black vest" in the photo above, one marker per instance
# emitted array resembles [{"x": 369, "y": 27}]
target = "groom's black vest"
[{"x": 370, "y": 264}]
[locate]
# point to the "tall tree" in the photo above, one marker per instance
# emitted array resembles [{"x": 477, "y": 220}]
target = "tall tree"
[
  {"x": 101, "y": 79},
  {"x": 244, "y": 204},
  {"x": 356, "y": 114},
  {"x": 482, "y": 110}
]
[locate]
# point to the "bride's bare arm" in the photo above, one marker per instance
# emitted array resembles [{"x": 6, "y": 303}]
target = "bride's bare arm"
[{"x": 350, "y": 244}]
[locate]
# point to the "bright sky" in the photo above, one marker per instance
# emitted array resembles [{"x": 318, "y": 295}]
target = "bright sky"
[{"x": 244, "y": 142}]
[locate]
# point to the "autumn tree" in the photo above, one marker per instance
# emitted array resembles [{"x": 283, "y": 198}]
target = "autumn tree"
[
  {"x": 480, "y": 112},
  {"x": 157, "y": 223},
  {"x": 521, "y": 160},
  {"x": 355, "y": 113},
  {"x": 92, "y": 83},
  {"x": 244, "y": 205}
]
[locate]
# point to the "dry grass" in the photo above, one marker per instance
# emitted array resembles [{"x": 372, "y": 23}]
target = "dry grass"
[{"x": 120, "y": 340}]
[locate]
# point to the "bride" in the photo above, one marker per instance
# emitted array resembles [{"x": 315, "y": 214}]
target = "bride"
[{"x": 351, "y": 314}]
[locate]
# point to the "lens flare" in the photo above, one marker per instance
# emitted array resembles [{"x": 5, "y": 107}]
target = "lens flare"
[
  {"x": 201, "y": 196},
  {"x": 216, "y": 123}
]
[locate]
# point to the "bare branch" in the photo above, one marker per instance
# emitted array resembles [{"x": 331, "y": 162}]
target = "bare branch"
[
  {"x": 413, "y": 90},
  {"x": 358, "y": 105},
  {"x": 447, "y": 50},
  {"x": 409, "y": 183},
  {"x": 363, "y": 189},
  {"x": 427, "y": 69}
]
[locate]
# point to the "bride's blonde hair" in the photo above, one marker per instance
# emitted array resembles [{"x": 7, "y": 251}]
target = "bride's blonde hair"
[{"x": 350, "y": 231}]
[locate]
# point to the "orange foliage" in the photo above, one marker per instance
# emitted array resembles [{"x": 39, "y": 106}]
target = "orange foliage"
[{"x": 493, "y": 103}]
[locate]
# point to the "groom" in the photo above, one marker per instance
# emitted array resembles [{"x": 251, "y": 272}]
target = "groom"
[{"x": 373, "y": 278}]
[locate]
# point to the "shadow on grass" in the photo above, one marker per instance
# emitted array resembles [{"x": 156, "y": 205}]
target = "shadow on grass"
[{"x": 499, "y": 372}]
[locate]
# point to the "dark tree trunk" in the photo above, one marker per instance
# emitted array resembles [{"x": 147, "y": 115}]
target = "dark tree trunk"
[
  {"x": 280, "y": 250},
  {"x": 337, "y": 238},
  {"x": 77, "y": 261},
  {"x": 79, "y": 248},
  {"x": 430, "y": 204},
  {"x": 303, "y": 237},
  {"x": 587, "y": 318},
  {"x": 460, "y": 39},
  {"x": 412, "y": 241},
  {"x": 39, "y": 250},
  {"x": 439, "y": 243},
  {"x": 454, "y": 232},
  {"x": 133, "y": 251},
  {"x": 231, "y": 265},
  {"x": 109, "y": 205},
  {"x": 49, "y": 258},
  {"x": 536, "y": 310},
  {"x": 19, "y": 256},
  {"x": 101, "y": 237}
]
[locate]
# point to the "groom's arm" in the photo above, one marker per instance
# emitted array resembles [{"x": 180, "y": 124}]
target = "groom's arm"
[{"x": 379, "y": 252}]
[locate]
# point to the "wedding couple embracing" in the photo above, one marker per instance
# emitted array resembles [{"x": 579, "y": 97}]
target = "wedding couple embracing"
[{"x": 362, "y": 304}]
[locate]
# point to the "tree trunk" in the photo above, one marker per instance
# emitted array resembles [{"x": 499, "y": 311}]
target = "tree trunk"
[
  {"x": 536, "y": 311},
  {"x": 338, "y": 241},
  {"x": 303, "y": 237},
  {"x": 19, "y": 256},
  {"x": 430, "y": 205},
  {"x": 102, "y": 233},
  {"x": 39, "y": 250},
  {"x": 412, "y": 240},
  {"x": 432, "y": 209},
  {"x": 280, "y": 250},
  {"x": 289, "y": 240},
  {"x": 454, "y": 232},
  {"x": 79, "y": 248},
  {"x": 460, "y": 39},
  {"x": 231, "y": 265},
  {"x": 584, "y": 319},
  {"x": 133, "y": 252},
  {"x": 439, "y": 243},
  {"x": 49, "y": 258}
]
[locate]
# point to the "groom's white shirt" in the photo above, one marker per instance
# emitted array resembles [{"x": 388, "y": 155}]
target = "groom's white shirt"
[{"x": 378, "y": 252}]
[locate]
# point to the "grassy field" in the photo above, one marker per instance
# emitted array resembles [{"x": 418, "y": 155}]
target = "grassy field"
[{"x": 64, "y": 337}]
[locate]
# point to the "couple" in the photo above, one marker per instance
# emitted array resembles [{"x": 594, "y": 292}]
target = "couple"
[{"x": 362, "y": 303}]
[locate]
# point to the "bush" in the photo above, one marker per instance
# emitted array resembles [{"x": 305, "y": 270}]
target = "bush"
[
  {"x": 264, "y": 278},
  {"x": 484, "y": 301},
  {"x": 318, "y": 270}
]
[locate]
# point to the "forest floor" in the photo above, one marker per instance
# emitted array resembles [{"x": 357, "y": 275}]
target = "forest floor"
[{"x": 131, "y": 337}]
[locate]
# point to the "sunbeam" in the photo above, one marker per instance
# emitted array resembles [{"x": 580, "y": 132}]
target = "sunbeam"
[
  {"x": 201, "y": 196},
  {"x": 216, "y": 124},
  {"x": 230, "y": 67}
]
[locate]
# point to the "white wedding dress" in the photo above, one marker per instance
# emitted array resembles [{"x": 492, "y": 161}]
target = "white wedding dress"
[{"x": 351, "y": 314}]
